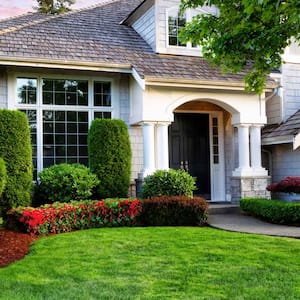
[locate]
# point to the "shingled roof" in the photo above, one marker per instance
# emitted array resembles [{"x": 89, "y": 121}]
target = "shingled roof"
[
  {"x": 95, "y": 35},
  {"x": 284, "y": 132}
]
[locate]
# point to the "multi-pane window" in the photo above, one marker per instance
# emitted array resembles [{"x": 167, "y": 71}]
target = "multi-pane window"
[
  {"x": 175, "y": 23},
  {"x": 178, "y": 21},
  {"x": 59, "y": 113},
  {"x": 215, "y": 132},
  {"x": 65, "y": 92}
]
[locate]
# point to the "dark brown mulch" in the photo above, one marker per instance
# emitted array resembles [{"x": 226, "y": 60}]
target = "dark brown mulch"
[{"x": 13, "y": 246}]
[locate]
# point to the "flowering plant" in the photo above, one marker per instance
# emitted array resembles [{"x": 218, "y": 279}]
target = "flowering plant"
[
  {"x": 290, "y": 184},
  {"x": 64, "y": 217}
]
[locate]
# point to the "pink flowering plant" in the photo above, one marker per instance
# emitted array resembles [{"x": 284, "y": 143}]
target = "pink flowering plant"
[
  {"x": 290, "y": 184},
  {"x": 64, "y": 217}
]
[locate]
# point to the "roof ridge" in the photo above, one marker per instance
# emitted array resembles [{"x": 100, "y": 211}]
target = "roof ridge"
[
  {"x": 5, "y": 19},
  {"x": 47, "y": 17}
]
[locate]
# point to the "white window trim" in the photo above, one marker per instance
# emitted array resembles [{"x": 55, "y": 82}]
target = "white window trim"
[{"x": 39, "y": 107}]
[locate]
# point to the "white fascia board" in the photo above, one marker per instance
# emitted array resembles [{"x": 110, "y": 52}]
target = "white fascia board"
[
  {"x": 207, "y": 84},
  {"x": 138, "y": 79},
  {"x": 283, "y": 139},
  {"x": 296, "y": 141},
  {"x": 65, "y": 64}
]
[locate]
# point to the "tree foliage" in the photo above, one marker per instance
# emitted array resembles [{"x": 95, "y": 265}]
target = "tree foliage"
[
  {"x": 252, "y": 33},
  {"x": 54, "y": 7}
]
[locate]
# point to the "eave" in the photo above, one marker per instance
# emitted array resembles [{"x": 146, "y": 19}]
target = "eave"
[{"x": 65, "y": 64}]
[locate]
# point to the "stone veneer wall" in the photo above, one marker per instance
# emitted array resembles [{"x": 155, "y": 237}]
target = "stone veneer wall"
[{"x": 249, "y": 187}]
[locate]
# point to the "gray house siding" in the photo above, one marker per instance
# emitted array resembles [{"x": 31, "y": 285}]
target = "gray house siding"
[
  {"x": 285, "y": 162},
  {"x": 145, "y": 27},
  {"x": 3, "y": 88},
  {"x": 291, "y": 89}
]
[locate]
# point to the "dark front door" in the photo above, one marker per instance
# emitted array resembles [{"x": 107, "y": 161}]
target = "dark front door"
[{"x": 189, "y": 148}]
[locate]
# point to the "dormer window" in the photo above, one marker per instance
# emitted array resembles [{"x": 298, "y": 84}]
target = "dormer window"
[{"x": 177, "y": 21}]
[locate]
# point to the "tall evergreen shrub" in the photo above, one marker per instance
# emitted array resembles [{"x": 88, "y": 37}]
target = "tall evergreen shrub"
[
  {"x": 15, "y": 149},
  {"x": 2, "y": 176},
  {"x": 110, "y": 156}
]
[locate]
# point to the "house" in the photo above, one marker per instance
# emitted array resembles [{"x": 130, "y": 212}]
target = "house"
[{"x": 122, "y": 59}]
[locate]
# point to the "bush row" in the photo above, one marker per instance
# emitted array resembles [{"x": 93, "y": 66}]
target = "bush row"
[
  {"x": 274, "y": 211},
  {"x": 2, "y": 176},
  {"x": 63, "y": 217},
  {"x": 174, "y": 210}
]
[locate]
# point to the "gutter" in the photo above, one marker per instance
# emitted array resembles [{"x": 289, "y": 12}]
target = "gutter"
[{"x": 65, "y": 64}]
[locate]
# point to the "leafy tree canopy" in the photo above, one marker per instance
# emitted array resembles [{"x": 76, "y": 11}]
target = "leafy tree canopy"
[
  {"x": 243, "y": 32},
  {"x": 54, "y": 7}
]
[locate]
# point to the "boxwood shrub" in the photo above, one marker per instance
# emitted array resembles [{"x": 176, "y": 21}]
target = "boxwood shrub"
[
  {"x": 15, "y": 149},
  {"x": 65, "y": 182},
  {"x": 174, "y": 211},
  {"x": 2, "y": 176},
  {"x": 110, "y": 157},
  {"x": 168, "y": 183},
  {"x": 274, "y": 211}
]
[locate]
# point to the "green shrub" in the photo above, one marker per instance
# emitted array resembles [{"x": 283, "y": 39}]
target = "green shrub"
[
  {"x": 62, "y": 217},
  {"x": 274, "y": 211},
  {"x": 174, "y": 211},
  {"x": 110, "y": 157},
  {"x": 66, "y": 182},
  {"x": 169, "y": 183},
  {"x": 15, "y": 149},
  {"x": 2, "y": 176}
]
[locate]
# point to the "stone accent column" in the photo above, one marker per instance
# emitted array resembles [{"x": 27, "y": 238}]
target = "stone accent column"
[
  {"x": 162, "y": 143},
  {"x": 148, "y": 146}
]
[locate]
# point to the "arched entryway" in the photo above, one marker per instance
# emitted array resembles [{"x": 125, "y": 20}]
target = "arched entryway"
[{"x": 196, "y": 144}]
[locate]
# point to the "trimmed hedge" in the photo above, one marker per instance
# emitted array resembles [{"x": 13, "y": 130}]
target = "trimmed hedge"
[
  {"x": 274, "y": 211},
  {"x": 110, "y": 157},
  {"x": 168, "y": 183},
  {"x": 15, "y": 149},
  {"x": 174, "y": 211},
  {"x": 61, "y": 217},
  {"x": 65, "y": 182},
  {"x": 3, "y": 176}
]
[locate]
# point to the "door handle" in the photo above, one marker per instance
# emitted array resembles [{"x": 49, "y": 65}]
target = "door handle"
[{"x": 186, "y": 166}]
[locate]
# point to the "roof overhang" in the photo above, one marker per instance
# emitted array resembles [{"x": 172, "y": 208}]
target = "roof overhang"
[
  {"x": 65, "y": 64},
  {"x": 208, "y": 84},
  {"x": 283, "y": 139}
]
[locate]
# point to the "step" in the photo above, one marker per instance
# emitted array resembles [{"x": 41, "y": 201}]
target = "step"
[{"x": 222, "y": 209}]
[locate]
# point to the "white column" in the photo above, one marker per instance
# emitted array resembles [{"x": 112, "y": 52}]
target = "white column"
[
  {"x": 255, "y": 150},
  {"x": 244, "y": 154},
  {"x": 162, "y": 143},
  {"x": 149, "y": 153}
]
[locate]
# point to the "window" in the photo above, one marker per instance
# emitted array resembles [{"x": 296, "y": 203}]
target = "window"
[
  {"x": 60, "y": 112},
  {"x": 177, "y": 21}
]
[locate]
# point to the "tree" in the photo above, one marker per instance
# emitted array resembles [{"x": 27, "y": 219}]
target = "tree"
[
  {"x": 54, "y": 7},
  {"x": 245, "y": 34}
]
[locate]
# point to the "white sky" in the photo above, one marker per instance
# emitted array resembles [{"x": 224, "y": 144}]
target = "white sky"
[{"x": 10, "y": 8}]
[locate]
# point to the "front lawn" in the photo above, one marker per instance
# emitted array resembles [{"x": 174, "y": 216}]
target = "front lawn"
[{"x": 156, "y": 263}]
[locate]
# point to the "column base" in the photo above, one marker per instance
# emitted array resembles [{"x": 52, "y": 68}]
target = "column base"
[
  {"x": 249, "y": 172},
  {"x": 249, "y": 187}
]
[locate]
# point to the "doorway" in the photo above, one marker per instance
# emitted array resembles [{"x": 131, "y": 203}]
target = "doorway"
[{"x": 189, "y": 148}]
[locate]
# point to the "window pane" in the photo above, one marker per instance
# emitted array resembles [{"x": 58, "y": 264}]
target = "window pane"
[
  {"x": 102, "y": 93},
  {"x": 26, "y": 90},
  {"x": 175, "y": 23},
  {"x": 65, "y": 92},
  {"x": 68, "y": 141}
]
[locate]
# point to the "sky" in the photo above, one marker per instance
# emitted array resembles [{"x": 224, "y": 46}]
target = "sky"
[{"x": 10, "y": 8}]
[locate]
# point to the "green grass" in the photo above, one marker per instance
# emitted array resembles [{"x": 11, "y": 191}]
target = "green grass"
[{"x": 156, "y": 263}]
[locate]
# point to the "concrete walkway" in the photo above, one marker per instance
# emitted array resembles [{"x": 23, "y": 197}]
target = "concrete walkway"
[{"x": 242, "y": 223}]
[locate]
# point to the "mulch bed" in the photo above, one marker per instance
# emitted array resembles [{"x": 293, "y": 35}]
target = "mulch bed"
[{"x": 13, "y": 246}]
